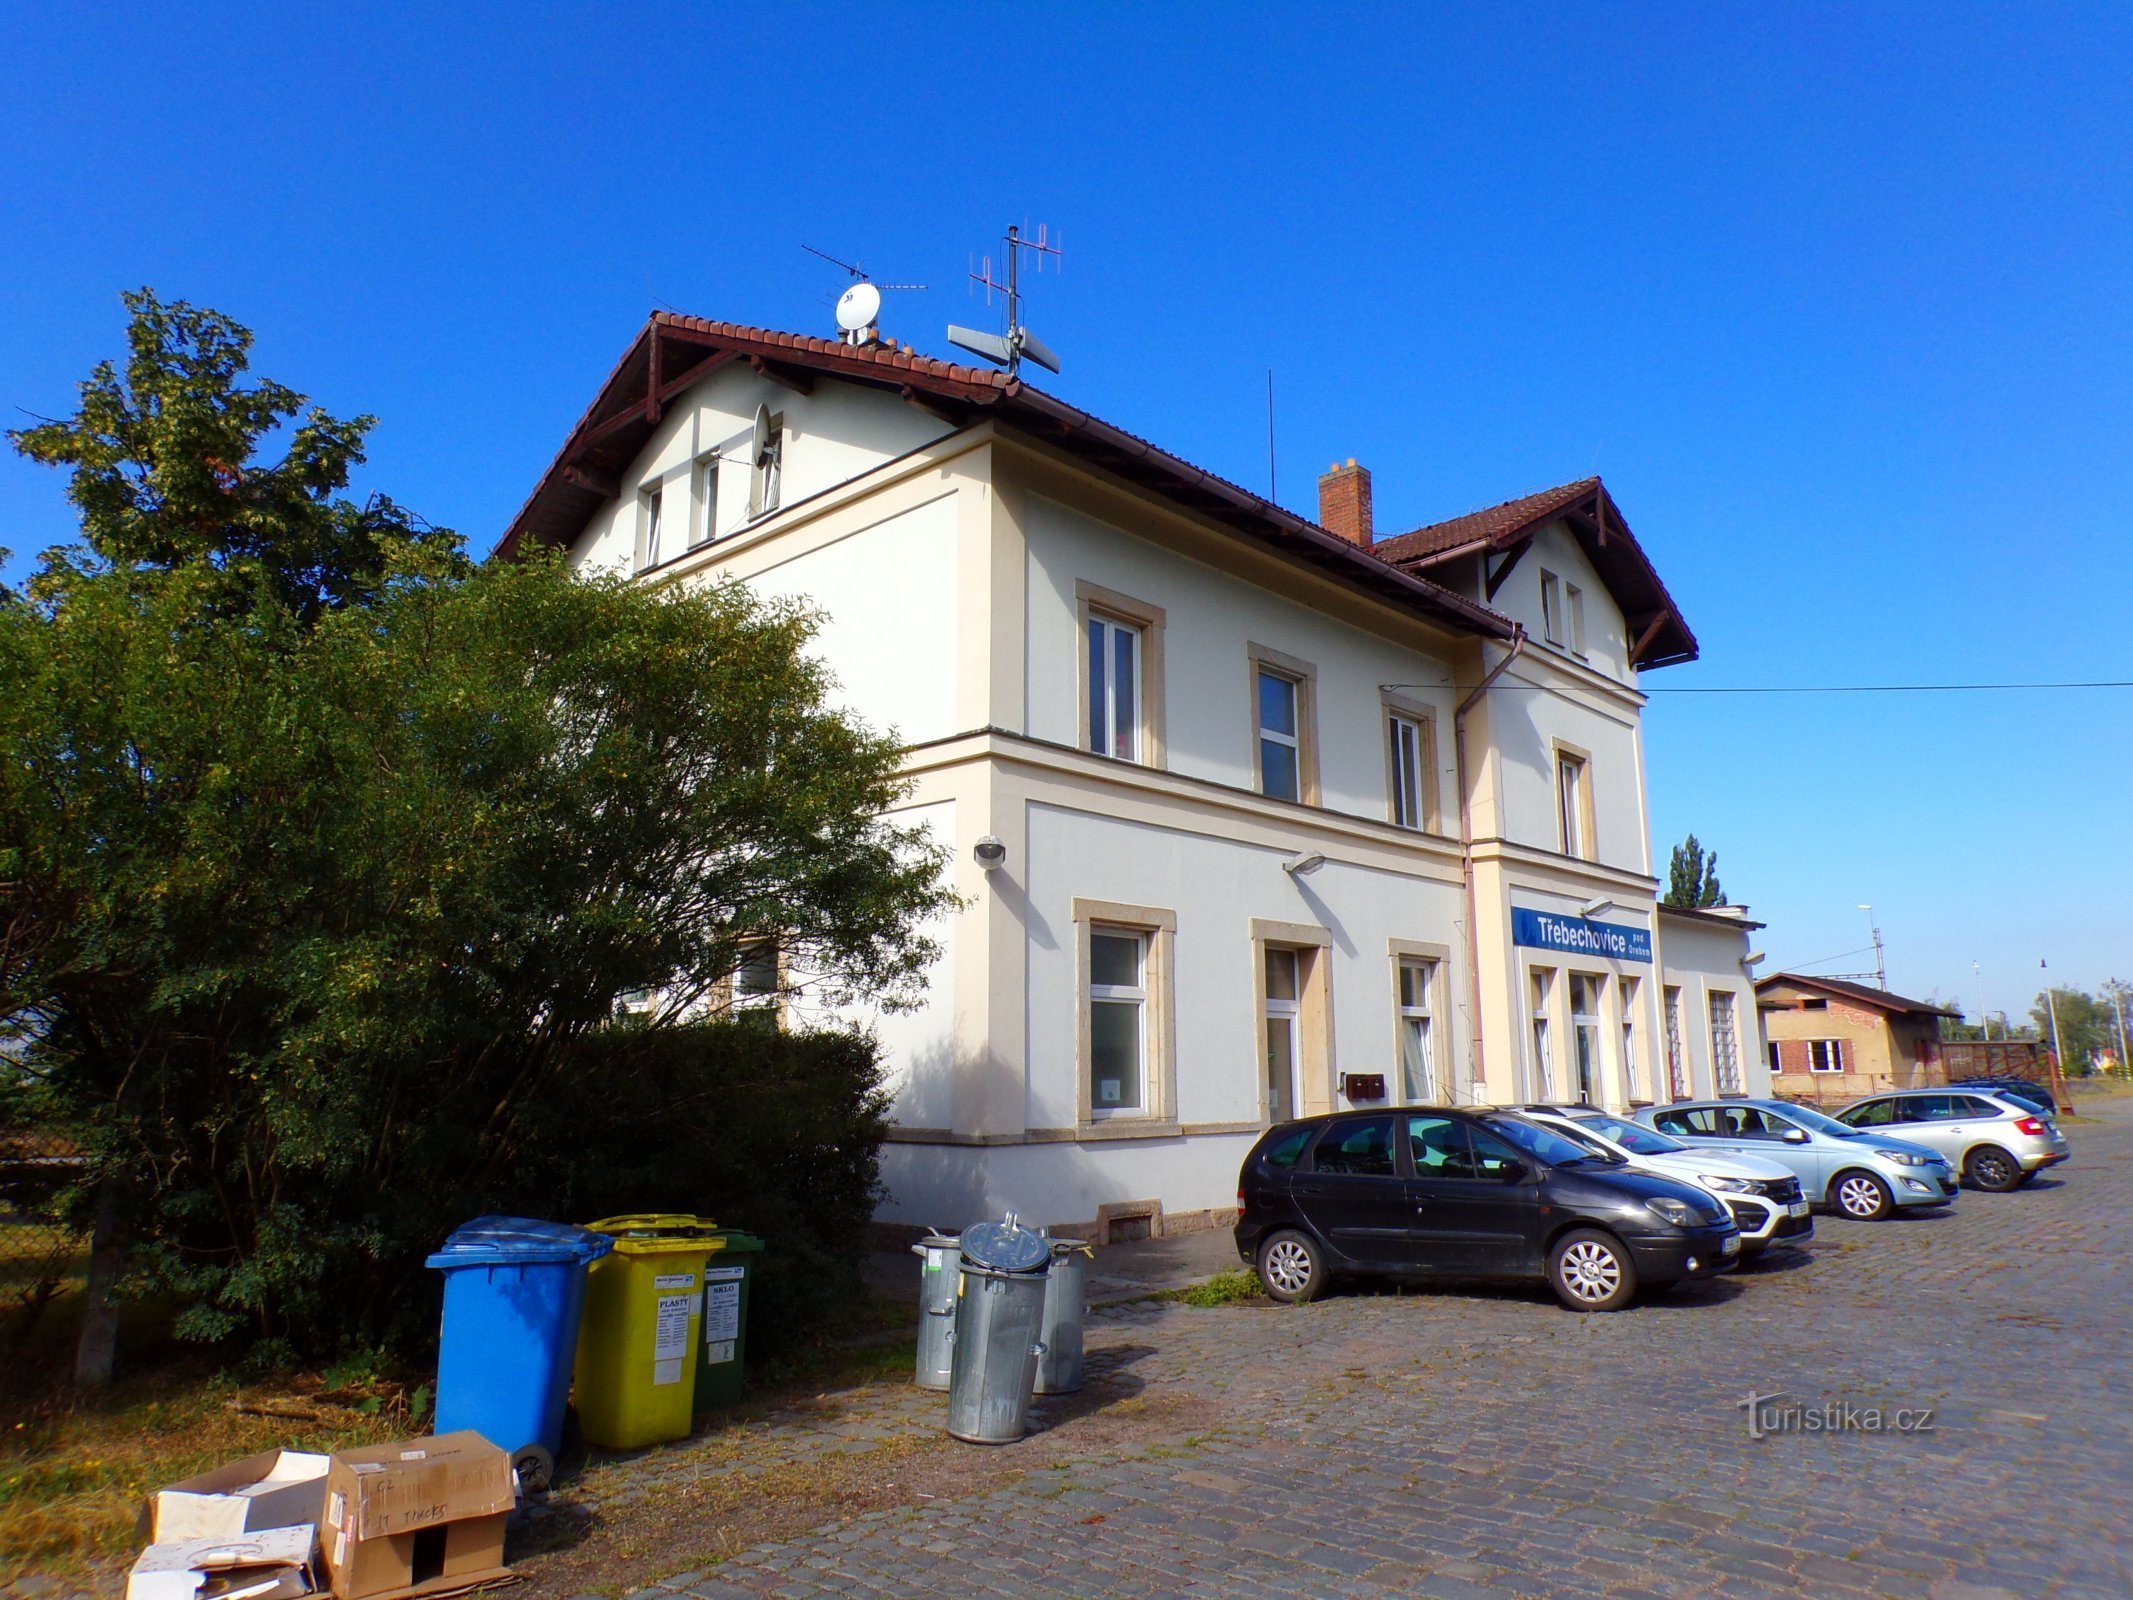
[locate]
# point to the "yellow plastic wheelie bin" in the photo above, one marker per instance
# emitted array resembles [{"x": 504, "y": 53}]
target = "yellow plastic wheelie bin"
[{"x": 635, "y": 1377}]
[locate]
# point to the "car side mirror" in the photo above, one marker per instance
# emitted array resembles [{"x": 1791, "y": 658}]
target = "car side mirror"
[
  {"x": 1511, "y": 1172},
  {"x": 1795, "y": 1136}
]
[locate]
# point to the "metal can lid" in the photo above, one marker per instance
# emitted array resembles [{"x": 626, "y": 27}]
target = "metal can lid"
[{"x": 1006, "y": 1246}]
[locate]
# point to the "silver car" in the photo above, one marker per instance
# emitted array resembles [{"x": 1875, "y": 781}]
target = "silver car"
[
  {"x": 1861, "y": 1175},
  {"x": 1998, "y": 1142}
]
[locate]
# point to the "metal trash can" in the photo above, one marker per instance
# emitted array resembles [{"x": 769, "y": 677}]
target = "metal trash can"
[
  {"x": 937, "y": 1281},
  {"x": 999, "y": 1310},
  {"x": 1065, "y": 1304},
  {"x": 514, "y": 1288}
]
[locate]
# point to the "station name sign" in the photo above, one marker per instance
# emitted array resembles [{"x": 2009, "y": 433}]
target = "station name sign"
[{"x": 1544, "y": 930}]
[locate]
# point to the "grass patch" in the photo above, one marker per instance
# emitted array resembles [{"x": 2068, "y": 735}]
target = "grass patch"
[{"x": 1238, "y": 1287}]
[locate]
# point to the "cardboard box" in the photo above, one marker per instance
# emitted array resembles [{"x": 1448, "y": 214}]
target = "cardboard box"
[
  {"x": 422, "y": 1517},
  {"x": 274, "y": 1564},
  {"x": 277, "y": 1489}
]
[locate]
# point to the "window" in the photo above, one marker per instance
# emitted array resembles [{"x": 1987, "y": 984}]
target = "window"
[
  {"x": 1284, "y": 1149},
  {"x": 1118, "y": 1020},
  {"x": 1551, "y": 607},
  {"x": 1725, "y": 1044},
  {"x": 1418, "y": 1051},
  {"x": 650, "y": 503},
  {"x": 1439, "y": 1148},
  {"x": 766, "y": 479},
  {"x": 1542, "y": 1065},
  {"x": 1628, "y": 994},
  {"x": 1358, "y": 1149},
  {"x": 1777, "y": 1059},
  {"x": 706, "y": 527},
  {"x": 1815, "y": 1003},
  {"x": 1825, "y": 1055},
  {"x": 755, "y": 983},
  {"x": 1407, "y": 770},
  {"x": 1585, "y": 1033},
  {"x": 1573, "y": 804},
  {"x": 1874, "y": 1114},
  {"x": 1677, "y": 1060},
  {"x": 1280, "y": 737},
  {"x": 1283, "y": 1008},
  {"x": 1577, "y": 619},
  {"x": 1114, "y": 688}
]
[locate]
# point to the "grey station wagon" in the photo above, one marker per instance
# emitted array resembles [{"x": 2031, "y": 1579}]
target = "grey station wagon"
[{"x": 1996, "y": 1141}]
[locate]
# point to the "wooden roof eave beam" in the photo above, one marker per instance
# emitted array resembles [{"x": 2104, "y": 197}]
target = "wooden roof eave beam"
[
  {"x": 1510, "y": 560},
  {"x": 1645, "y": 638},
  {"x": 784, "y": 376},
  {"x": 648, "y": 409}
]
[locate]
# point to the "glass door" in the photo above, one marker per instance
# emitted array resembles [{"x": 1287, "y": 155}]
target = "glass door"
[{"x": 1283, "y": 1006}]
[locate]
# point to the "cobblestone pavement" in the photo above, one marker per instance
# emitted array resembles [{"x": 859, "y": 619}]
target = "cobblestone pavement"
[{"x": 1477, "y": 1444}]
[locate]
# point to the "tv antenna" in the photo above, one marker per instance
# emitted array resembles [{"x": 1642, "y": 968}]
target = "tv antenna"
[
  {"x": 859, "y": 307},
  {"x": 1008, "y": 349}
]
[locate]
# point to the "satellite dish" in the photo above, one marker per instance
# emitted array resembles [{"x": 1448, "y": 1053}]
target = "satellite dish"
[
  {"x": 858, "y": 307},
  {"x": 759, "y": 446}
]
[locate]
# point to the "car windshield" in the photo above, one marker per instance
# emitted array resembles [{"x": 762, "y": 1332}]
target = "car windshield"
[
  {"x": 1545, "y": 1144},
  {"x": 1636, "y": 1139},
  {"x": 1808, "y": 1117}
]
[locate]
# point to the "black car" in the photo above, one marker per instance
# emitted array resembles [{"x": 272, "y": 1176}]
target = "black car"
[
  {"x": 1433, "y": 1192},
  {"x": 2031, "y": 1094}
]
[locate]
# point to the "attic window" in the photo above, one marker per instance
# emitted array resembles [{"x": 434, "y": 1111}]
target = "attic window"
[
  {"x": 1551, "y": 607},
  {"x": 1815, "y": 1003},
  {"x": 1577, "y": 619}
]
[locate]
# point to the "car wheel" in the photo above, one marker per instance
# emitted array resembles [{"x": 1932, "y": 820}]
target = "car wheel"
[
  {"x": 1591, "y": 1271},
  {"x": 1993, "y": 1169},
  {"x": 1291, "y": 1268},
  {"x": 1862, "y": 1196}
]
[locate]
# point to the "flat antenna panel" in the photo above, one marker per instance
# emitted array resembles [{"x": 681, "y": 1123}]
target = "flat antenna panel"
[{"x": 1009, "y": 349}]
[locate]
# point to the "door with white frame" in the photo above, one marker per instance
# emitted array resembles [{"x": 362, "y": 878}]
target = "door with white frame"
[{"x": 1280, "y": 1026}]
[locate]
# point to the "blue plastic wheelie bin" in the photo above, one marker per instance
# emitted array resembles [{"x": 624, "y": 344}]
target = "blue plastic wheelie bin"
[{"x": 513, "y": 1291}]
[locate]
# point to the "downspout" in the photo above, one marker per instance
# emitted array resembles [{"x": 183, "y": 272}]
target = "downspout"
[{"x": 1475, "y": 1072}]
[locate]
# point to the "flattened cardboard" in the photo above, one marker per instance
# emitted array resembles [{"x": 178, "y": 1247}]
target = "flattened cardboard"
[
  {"x": 275, "y": 1489},
  {"x": 421, "y": 1517},
  {"x": 273, "y": 1564}
]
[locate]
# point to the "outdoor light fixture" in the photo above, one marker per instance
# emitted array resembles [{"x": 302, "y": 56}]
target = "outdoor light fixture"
[
  {"x": 1754, "y": 958},
  {"x": 1593, "y": 908},
  {"x": 1298, "y": 866},
  {"x": 989, "y": 853}
]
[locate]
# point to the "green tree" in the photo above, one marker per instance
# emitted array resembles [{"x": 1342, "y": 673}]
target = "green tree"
[
  {"x": 335, "y": 850},
  {"x": 2086, "y": 1025},
  {"x": 1692, "y": 877}
]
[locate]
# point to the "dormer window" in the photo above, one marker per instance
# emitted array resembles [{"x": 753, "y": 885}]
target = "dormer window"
[{"x": 1551, "y": 608}]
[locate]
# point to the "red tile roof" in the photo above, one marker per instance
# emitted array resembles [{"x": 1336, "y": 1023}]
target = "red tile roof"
[
  {"x": 1475, "y": 526},
  {"x": 1879, "y": 999}
]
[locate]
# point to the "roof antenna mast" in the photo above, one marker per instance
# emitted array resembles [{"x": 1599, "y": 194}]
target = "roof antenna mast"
[
  {"x": 1008, "y": 350},
  {"x": 859, "y": 307}
]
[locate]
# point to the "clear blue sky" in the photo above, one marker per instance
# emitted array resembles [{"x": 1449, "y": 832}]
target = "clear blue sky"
[{"x": 1838, "y": 304}]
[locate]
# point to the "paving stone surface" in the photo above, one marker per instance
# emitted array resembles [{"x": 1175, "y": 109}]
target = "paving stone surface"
[{"x": 1482, "y": 1443}]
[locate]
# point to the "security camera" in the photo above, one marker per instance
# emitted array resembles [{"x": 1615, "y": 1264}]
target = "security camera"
[{"x": 989, "y": 853}]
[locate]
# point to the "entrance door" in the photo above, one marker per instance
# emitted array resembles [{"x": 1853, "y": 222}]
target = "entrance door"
[{"x": 1284, "y": 992}]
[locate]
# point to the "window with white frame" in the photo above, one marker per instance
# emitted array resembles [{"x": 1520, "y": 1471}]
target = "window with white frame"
[
  {"x": 1418, "y": 1049},
  {"x": 1825, "y": 1055},
  {"x": 1627, "y": 991},
  {"x": 1410, "y": 746},
  {"x": 1577, "y": 618},
  {"x": 1114, "y": 688},
  {"x": 1281, "y": 1028},
  {"x": 651, "y": 503},
  {"x": 1725, "y": 1043},
  {"x": 767, "y": 478},
  {"x": 755, "y": 983},
  {"x": 1585, "y": 1034},
  {"x": 1280, "y": 735},
  {"x": 1551, "y": 607},
  {"x": 1777, "y": 1060},
  {"x": 1118, "y": 1021},
  {"x": 1677, "y": 1059},
  {"x": 1543, "y": 1064},
  {"x": 705, "y": 528},
  {"x": 1573, "y": 804}
]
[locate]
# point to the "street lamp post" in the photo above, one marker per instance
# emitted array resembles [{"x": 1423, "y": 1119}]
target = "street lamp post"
[{"x": 2051, "y": 1010}]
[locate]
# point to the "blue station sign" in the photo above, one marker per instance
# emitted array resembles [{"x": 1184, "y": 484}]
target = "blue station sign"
[{"x": 1544, "y": 930}]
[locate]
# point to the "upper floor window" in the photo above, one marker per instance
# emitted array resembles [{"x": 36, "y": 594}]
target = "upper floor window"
[
  {"x": 705, "y": 528},
  {"x": 1551, "y": 607},
  {"x": 766, "y": 479},
  {"x": 1573, "y": 804},
  {"x": 1114, "y": 688},
  {"x": 1280, "y": 736},
  {"x": 1577, "y": 618},
  {"x": 651, "y": 503},
  {"x": 756, "y": 983},
  {"x": 1408, "y": 769}
]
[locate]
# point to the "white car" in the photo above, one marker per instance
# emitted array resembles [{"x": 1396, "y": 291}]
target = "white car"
[{"x": 1764, "y": 1197}]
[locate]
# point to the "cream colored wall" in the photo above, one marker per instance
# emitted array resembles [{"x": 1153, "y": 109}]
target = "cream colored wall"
[{"x": 1702, "y": 958}]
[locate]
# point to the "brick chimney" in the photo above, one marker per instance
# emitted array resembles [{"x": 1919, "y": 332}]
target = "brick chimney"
[{"x": 1344, "y": 502}]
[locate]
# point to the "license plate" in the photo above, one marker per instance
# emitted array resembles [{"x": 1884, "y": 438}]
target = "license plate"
[
  {"x": 1731, "y": 1247},
  {"x": 1797, "y": 1209}
]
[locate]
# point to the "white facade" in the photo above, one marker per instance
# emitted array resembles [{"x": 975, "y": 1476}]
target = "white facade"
[{"x": 1144, "y": 913}]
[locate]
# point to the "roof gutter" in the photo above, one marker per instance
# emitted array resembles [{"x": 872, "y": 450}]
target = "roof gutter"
[{"x": 1477, "y": 1065}]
